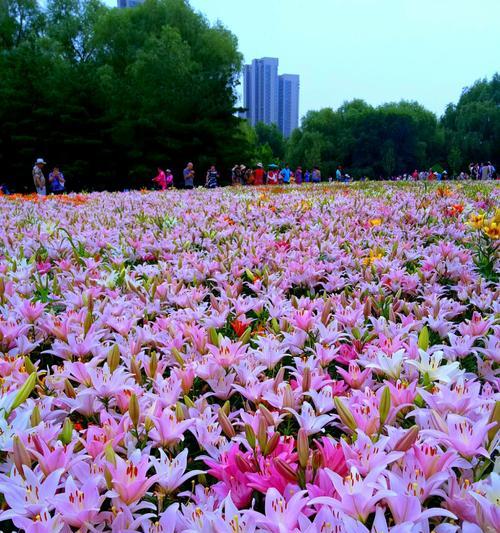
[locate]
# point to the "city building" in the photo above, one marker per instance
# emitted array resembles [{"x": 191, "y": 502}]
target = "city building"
[
  {"x": 288, "y": 101},
  {"x": 128, "y": 3},
  {"x": 270, "y": 98},
  {"x": 261, "y": 91}
]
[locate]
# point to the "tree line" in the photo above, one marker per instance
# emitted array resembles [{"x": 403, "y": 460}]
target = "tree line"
[
  {"x": 395, "y": 138},
  {"x": 111, "y": 94}
]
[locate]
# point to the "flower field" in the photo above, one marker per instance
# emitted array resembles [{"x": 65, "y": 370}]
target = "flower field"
[{"x": 308, "y": 359}]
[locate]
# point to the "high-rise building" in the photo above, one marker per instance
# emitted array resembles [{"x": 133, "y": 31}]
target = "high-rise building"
[
  {"x": 288, "y": 113},
  {"x": 128, "y": 3},
  {"x": 270, "y": 98},
  {"x": 261, "y": 91}
]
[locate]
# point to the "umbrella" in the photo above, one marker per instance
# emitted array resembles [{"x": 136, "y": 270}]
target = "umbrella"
[{"x": 272, "y": 166}]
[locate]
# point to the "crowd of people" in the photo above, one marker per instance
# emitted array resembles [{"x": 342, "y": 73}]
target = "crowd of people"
[
  {"x": 477, "y": 171},
  {"x": 242, "y": 175},
  {"x": 275, "y": 175},
  {"x": 259, "y": 175}
]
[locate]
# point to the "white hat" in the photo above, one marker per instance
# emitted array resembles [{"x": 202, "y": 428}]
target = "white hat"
[
  {"x": 40, "y": 161},
  {"x": 260, "y": 165}
]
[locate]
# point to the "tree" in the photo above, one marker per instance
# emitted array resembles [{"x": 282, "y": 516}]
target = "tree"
[
  {"x": 271, "y": 136},
  {"x": 472, "y": 126},
  {"x": 110, "y": 94}
]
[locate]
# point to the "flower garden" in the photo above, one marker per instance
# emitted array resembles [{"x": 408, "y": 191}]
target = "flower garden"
[{"x": 303, "y": 359}]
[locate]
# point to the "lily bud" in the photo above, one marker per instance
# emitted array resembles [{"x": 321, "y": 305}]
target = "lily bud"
[
  {"x": 189, "y": 403},
  {"x": 246, "y": 336},
  {"x": 385, "y": 405},
  {"x": 272, "y": 443},
  {"x": 24, "y": 392},
  {"x": 317, "y": 460},
  {"x": 264, "y": 411},
  {"x": 90, "y": 303},
  {"x": 285, "y": 469},
  {"x": 21, "y": 455},
  {"x": 87, "y": 322},
  {"x": 278, "y": 378},
  {"x": 345, "y": 414},
  {"x": 153, "y": 364},
  {"x": 423, "y": 339},
  {"x": 275, "y": 326},
  {"x": 113, "y": 358},
  {"x": 262, "y": 433},
  {"x": 108, "y": 478},
  {"x": 242, "y": 463},
  {"x": 212, "y": 335},
  {"x": 367, "y": 308},
  {"x": 68, "y": 389},
  {"x": 250, "y": 435},
  {"x": 148, "y": 424},
  {"x": 226, "y": 407},
  {"x": 134, "y": 367},
  {"x": 407, "y": 440},
  {"x": 306, "y": 379},
  {"x": 288, "y": 399},
  {"x": 327, "y": 308},
  {"x": 177, "y": 356},
  {"x": 303, "y": 447},
  {"x": 179, "y": 412},
  {"x": 133, "y": 409},
  {"x": 225, "y": 424},
  {"x": 67, "y": 432},
  {"x": 495, "y": 417},
  {"x": 35, "y": 418},
  {"x": 249, "y": 274},
  {"x": 110, "y": 454},
  {"x": 29, "y": 366}
]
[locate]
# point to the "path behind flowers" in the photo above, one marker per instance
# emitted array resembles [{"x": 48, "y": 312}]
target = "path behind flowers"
[{"x": 304, "y": 359}]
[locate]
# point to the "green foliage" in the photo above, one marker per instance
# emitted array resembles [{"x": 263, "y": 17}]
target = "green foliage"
[
  {"x": 388, "y": 139},
  {"x": 399, "y": 137},
  {"x": 111, "y": 94},
  {"x": 472, "y": 126},
  {"x": 270, "y": 138}
]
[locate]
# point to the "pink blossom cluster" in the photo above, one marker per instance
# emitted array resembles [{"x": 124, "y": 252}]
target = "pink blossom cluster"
[{"x": 270, "y": 360}]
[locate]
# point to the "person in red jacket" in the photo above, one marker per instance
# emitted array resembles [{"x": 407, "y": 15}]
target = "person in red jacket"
[{"x": 259, "y": 175}]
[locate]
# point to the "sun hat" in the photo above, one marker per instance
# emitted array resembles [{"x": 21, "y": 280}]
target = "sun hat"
[
  {"x": 260, "y": 165},
  {"x": 40, "y": 161},
  {"x": 168, "y": 170}
]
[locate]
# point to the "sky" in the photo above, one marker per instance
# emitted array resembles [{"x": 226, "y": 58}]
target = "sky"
[{"x": 377, "y": 50}]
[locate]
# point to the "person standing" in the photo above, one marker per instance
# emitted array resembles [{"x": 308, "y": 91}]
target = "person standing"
[
  {"x": 236, "y": 175},
  {"x": 485, "y": 171},
  {"x": 338, "y": 174},
  {"x": 212, "y": 175},
  {"x": 286, "y": 174},
  {"x": 307, "y": 176},
  {"x": 272, "y": 176},
  {"x": 259, "y": 175},
  {"x": 39, "y": 178},
  {"x": 188, "y": 174},
  {"x": 298, "y": 175},
  {"x": 316, "y": 175},
  {"x": 56, "y": 181},
  {"x": 169, "y": 178}
]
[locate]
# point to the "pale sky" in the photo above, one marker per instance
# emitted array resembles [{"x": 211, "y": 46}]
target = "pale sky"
[{"x": 378, "y": 50}]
